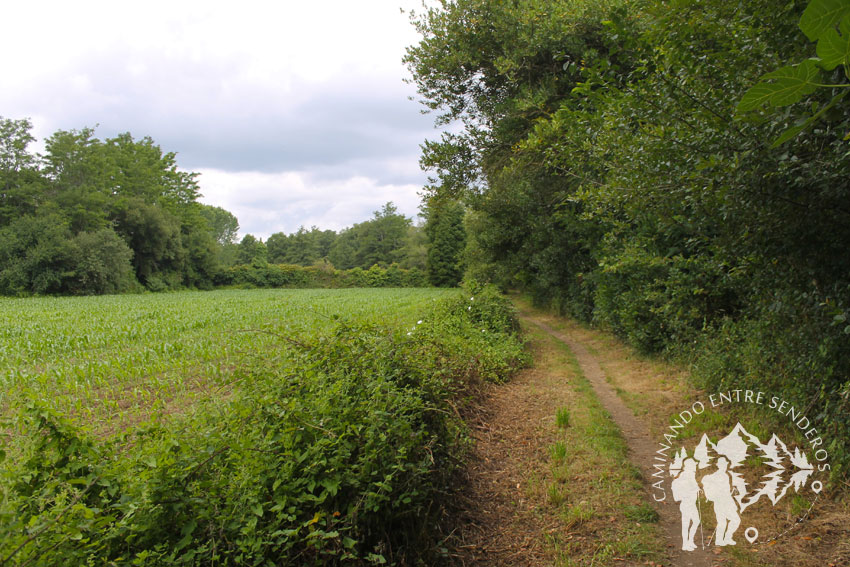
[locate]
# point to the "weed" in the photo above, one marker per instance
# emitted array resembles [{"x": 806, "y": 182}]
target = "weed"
[
  {"x": 642, "y": 513},
  {"x": 558, "y": 451},
  {"x": 562, "y": 418}
]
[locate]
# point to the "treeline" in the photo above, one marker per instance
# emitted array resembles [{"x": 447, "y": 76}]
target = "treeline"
[
  {"x": 387, "y": 238},
  {"x": 610, "y": 172},
  {"x": 97, "y": 216},
  {"x": 319, "y": 276}
]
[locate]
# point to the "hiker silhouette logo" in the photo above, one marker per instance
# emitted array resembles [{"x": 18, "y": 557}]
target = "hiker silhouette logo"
[{"x": 739, "y": 480}]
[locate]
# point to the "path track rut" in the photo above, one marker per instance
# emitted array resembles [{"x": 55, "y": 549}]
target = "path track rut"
[{"x": 641, "y": 445}]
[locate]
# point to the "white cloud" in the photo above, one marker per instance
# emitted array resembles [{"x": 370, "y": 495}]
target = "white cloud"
[
  {"x": 266, "y": 203},
  {"x": 295, "y": 112}
]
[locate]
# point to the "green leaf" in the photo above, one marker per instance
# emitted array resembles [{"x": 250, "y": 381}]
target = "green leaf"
[
  {"x": 782, "y": 87},
  {"x": 793, "y": 131},
  {"x": 834, "y": 47},
  {"x": 790, "y": 133},
  {"x": 821, "y": 16}
]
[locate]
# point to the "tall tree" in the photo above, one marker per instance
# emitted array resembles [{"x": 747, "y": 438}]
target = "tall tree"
[
  {"x": 382, "y": 238},
  {"x": 223, "y": 225},
  {"x": 446, "y": 242},
  {"x": 21, "y": 183},
  {"x": 252, "y": 250}
]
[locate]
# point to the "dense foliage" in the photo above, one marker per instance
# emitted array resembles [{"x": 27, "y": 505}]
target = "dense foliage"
[
  {"x": 319, "y": 276},
  {"x": 387, "y": 238},
  {"x": 92, "y": 216},
  {"x": 112, "y": 216},
  {"x": 610, "y": 171},
  {"x": 333, "y": 445},
  {"x": 446, "y": 241}
]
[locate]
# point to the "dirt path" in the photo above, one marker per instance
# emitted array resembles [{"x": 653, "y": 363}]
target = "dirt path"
[
  {"x": 523, "y": 505},
  {"x": 562, "y": 453},
  {"x": 640, "y": 444}
]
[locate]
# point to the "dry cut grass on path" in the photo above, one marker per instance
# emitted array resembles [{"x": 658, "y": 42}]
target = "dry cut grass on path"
[
  {"x": 655, "y": 391},
  {"x": 550, "y": 482}
]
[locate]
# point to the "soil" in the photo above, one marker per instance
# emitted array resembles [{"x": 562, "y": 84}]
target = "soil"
[{"x": 498, "y": 524}]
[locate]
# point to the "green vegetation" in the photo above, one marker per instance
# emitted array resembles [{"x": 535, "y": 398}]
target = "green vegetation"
[
  {"x": 562, "y": 418},
  {"x": 234, "y": 427},
  {"x": 115, "y": 216},
  {"x": 446, "y": 239},
  {"x": 618, "y": 162},
  {"x": 594, "y": 489},
  {"x": 260, "y": 274},
  {"x": 387, "y": 238}
]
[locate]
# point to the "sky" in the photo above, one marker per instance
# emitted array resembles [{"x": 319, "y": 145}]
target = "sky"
[{"x": 295, "y": 113}]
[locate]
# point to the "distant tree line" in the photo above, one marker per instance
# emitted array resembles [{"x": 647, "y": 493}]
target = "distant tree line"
[
  {"x": 97, "y": 216},
  {"x": 388, "y": 238}
]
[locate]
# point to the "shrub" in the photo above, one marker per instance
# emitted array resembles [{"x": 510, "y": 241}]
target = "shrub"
[{"x": 337, "y": 449}]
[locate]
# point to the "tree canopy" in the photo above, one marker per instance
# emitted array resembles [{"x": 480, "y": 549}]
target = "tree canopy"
[
  {"x": 628, "y": 163},
  {"x": 98, "y": 216}
]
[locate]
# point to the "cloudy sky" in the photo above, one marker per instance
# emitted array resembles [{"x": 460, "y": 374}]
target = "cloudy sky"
[{"x": 294, "y": 112}]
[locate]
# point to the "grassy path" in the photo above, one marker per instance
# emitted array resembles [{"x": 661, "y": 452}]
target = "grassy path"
[
  {"x": 550, "y": 481},
  {"x": 641, "y": 448},
  {"x": 562, "y": 454}
]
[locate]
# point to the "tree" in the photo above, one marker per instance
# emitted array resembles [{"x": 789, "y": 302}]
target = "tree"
[
  {"x": 154, "y": 236},
  {"x": 446, "y": 242},
  {"x": 36, "y": 255},
  {"x": 343, "y": 252},
  {"x": 103, "y": 264},
  {"x": 414, "y": 253},
  {"x": 20, "y": 181},
  {"x": 381, "y": 239},
  {"x": 223, "y": 225},
  {"x": 278, "y": 245},
  {"x": 251, "y": 250}
]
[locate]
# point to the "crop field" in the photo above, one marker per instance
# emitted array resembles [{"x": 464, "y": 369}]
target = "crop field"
[
  {"x": 113, "y": 360},
  {"x": 239, "y": 427}
]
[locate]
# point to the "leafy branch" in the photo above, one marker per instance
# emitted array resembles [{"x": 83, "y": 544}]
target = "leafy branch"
[{"x": 826, "y": 22}]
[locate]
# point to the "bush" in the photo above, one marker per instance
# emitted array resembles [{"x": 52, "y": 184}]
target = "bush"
[
  {"x": 338, "y": 450},
  {"x": 103, "y": 264}
]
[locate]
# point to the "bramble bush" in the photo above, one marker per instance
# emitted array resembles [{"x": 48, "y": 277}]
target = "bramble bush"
[{"x": 338, "y": 448}]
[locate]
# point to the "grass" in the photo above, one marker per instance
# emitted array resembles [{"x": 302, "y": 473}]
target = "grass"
[
  {"x": 562, "y": 418},
  {"x": 596, "y": 493}
]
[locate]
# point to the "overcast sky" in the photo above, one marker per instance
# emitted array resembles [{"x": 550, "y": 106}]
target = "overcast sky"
[{"x": 294, "y": 112}]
